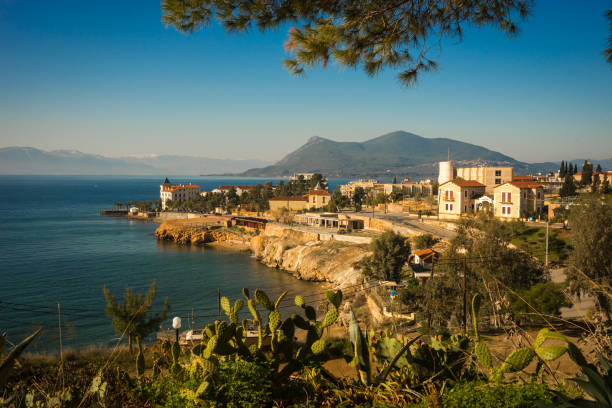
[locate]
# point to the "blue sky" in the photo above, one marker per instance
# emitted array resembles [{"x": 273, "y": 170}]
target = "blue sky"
[{"x": 107, "y": 77}]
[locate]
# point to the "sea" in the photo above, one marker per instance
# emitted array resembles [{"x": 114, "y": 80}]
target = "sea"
[{"x": 57, "y": 253}]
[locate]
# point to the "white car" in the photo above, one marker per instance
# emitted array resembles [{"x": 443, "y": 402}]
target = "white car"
[{"x": 193, "y": 335}]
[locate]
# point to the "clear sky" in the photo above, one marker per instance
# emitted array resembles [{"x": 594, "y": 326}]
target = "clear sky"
[{"x": 107, "y": 77}]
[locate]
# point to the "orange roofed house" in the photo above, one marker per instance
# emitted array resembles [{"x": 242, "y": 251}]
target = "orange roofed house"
[
  {"x": 314, "y": 198},
  {"x": 518, "y": 199},
  {"x": 172, "y": 192},
  {"x": 457, "y": 197}
]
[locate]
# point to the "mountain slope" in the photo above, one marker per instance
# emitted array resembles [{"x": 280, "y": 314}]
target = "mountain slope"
[
  {"x": 398, "y": 153},
  {"x": 28, "y": 160}
]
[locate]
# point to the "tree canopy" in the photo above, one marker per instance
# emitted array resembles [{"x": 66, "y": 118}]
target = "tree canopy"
[
  {"x": 371, "y": 35},
  {"x": 390, "y": 252},
  {"x": 591, "y": 264},
  {"x": 132, "y": 317}
]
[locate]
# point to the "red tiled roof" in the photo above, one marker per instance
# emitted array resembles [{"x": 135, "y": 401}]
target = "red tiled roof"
[
  {"x": 465, "y": 183},
  {"x": 525, "y": 184},
  {"x": 522, "y": 178},
  {"x": 318, "y": 192},
  {"x": 291, "y": 198},
  {"x": 424, "y": 252}
]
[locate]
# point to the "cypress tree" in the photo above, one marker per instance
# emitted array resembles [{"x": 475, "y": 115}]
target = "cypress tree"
[
  {"x": 575, "y": 169},
  {"x": 605, "y": 186},
  {"x": 394, "y": 179},
  {"x": 568, "y": 188},
  {"x": 562, "y": 169},
  {"x": 587, "y": 173},
  {"x": 598, "y": 169},
  {"x": 570, "y": 169}
]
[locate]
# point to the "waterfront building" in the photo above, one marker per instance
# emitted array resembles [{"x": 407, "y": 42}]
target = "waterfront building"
[
  {"x": 518, "y": 199},
  {"x": 381, "y": 187},
  {"x": 329, "y": 220},
  {"x": 172, "y": 192},
  {"x": 458, "y": 197}
]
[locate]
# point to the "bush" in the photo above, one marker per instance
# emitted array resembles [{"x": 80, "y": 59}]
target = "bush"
[
  {"x": 547, "y": 298},
  {"x": 484, "y": 395},
  {"x": 424, "y": 241}
]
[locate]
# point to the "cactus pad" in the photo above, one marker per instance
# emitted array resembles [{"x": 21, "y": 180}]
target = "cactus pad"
[
  {"x": 318, "y": 346},
  {"x": 550, "y": 353},
  {"x": 518, "y": 360},
  {"x": 274, "y": 320},
  {"x": 225, "y": 305},
  {"x": 483, "y": 355},
  {"x": 238, "y": 305},
  {"x": 310, "y": 313},
  {"x": 254, "y": 311},
  {"x": 263, "y": 299},
  {"x": 280, "y": 299},
  {"x": 330, "y": 317},
  {"x": 299, "y": 301},
  {"x": 335, "y": 298}
]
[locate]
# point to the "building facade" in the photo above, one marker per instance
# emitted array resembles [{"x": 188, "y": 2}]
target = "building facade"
[
  {"x": 518, "y": 199},
  {"x": 173, "y": 192},
  {"x": 489, "y": 176},
  {"x": 459, "y": 197},
  {"x": 314, "y": 199}
]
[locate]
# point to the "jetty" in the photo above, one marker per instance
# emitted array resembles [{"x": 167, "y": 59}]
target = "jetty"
[{"x": 114, "y": 211}]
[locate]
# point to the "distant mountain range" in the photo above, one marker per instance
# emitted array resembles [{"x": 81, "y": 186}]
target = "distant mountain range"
[
  {"x": 400, "y": 154},
  {"x": 28, "y": 160},
  {"x": 393, "y": 154}
]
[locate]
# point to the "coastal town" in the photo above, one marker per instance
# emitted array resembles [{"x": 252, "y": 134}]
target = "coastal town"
[{"x": 306, "y": 204}]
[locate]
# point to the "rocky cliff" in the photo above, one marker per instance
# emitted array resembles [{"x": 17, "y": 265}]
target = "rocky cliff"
[
  {"x": 197, "y": 233},
  {"x": 310, "y": 259},
  {"x": 301, "y": 253}
]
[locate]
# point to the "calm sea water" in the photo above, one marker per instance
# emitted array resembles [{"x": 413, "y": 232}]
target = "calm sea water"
[{"x": 55, "y": 247}]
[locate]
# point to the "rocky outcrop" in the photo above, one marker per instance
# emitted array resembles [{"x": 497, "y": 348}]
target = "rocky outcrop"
[
  {"x": 327, "y": 261},
  {"x": 196, "y": 234}
]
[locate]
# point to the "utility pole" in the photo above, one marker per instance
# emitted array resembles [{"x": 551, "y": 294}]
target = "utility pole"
[
  {"x": 546, "y": 263},
  {"x": 464, "y": 296},
  {"x": 219, "y": 301}
]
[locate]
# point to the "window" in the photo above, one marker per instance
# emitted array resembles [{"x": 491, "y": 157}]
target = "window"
[
  {"x": 466, "y": 193},
  {"x": 323, "y": 200},
  {"x": 525, "y": 194},
  {"x": 314, "y": 200},
  {"x": 538, "y": 195},
  {"x": 451, "y": 207},
  {"x": 497, "y": 173},
  {"x": 446, "y": 207},
  {"x": 497, "y": 181},
  {"x": 465, "y": 208}
]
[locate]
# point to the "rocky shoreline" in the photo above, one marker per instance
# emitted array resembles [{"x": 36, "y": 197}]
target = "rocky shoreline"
[{"x": 299, "y": 253}]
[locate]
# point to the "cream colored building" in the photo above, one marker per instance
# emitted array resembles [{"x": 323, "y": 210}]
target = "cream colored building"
[
  {"x": 489, "y": 176},
  {"x": 173, "y": 192},
  {"x": 314, "y": 198},
  {"x": 459, "y": 197},
  {"x": 518, "y": 199},
  {"x": 379, "y": 187}
]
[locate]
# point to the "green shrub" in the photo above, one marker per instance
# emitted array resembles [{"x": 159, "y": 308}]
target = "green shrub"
[{"x": 485, "y": 395}]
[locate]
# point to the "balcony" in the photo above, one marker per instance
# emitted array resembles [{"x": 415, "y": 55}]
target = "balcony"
[{"x": 451, "y": 198}]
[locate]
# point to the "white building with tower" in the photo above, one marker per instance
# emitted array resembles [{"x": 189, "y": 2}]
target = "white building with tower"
[{"x": 172, "y": 192}]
